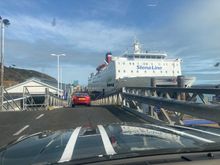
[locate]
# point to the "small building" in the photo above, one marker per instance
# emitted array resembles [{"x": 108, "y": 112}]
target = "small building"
[{"x": 34, "y": 86}]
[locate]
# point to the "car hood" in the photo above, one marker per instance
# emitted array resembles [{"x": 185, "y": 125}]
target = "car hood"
[{"x": 105, "y": 140}]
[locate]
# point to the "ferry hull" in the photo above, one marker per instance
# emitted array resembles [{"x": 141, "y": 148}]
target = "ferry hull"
[{"x": 138, "y": 82}]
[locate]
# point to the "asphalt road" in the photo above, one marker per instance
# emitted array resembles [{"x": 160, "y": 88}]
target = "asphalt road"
[{"x": 16, "y": 124}]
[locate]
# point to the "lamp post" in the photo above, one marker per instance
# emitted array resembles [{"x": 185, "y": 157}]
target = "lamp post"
[
  {"x": 61, "y": 79},
  {"x": 3, "y": 23},
  {"x": 58, "y": 70}
]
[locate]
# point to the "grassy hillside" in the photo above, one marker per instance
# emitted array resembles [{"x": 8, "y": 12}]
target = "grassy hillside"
[{"x": 13, "y": 75}]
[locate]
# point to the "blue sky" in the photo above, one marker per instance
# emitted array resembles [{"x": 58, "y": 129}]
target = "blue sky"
[{"x": 86, "y": 30}]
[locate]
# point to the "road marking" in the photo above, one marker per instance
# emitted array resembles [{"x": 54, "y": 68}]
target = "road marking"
[
  {"x": 105, "y": 139},
  {"x": 21, "y": 130},
  {"x": 38, "y": 117},
  {"x": 134, "y": 115},
  {"x": 68, "y": 151}
]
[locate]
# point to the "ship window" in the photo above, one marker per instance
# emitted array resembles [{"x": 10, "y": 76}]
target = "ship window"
[
  {"x": 130, "y": 63},
  {"x": 118, "y": 71},
  {"x": 131, "y": 71},
  {"x": 145, "y": 71},
  {"x": 124, "y": 71},
  {"x": 166, "y": 71},
  {"x": 133, "y": 63}
]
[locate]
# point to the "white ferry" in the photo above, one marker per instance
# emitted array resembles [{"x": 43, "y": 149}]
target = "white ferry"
[{"x": 136, "y": 70}]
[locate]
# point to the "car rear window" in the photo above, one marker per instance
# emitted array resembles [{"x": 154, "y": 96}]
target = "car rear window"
[{"x": 81, "y": 94}]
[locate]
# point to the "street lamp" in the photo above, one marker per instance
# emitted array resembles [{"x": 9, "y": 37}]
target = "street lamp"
[
  {"x": 58, "y": 70},
  {"x": 3, "y": 23},
  {"x": 61, "y": 78}
]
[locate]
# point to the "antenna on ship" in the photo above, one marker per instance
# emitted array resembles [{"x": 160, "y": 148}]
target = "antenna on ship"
[{"x": 137, "y": 46}]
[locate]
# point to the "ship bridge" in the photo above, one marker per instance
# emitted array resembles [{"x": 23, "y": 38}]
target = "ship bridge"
[
  {"x": 138, "y": 53},
  {"x": 147, "y": 55}
]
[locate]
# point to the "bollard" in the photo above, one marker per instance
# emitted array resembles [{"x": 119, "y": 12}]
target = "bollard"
[
  {"x": 153, "y": 84},
  {"x": 47, "y": 99},
  {"x": 181, "y": 84},
  {"x": 1, "y": 99}
]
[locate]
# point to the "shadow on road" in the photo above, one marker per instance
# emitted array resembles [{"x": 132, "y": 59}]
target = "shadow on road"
[{"x": 123, "y": 115}]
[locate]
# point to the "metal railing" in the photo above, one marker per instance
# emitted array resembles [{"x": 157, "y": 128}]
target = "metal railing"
[
  {"x": 166, "y": 104},
  {"x": 50, "y": 99},
  {"x": 8, "y": 103},
  {"x": 27, "y": 100},
  {"x": 53, "y": 100}
]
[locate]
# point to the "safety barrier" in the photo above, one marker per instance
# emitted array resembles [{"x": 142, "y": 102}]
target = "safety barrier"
[
  {"x": 27, "y": 101},
  {"x": 166, "y": 104}
]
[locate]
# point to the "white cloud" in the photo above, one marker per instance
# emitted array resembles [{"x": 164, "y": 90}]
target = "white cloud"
[
  {"x": 30, "y": 41},
  {"x": 88, "y": 35},
  {"x": 69, "y": 72},
  {"x": 200, "y": 23},
  {"x": 192, "y": 35}
]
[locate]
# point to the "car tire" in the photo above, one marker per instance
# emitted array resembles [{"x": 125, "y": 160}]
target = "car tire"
[{"x": 73, "y": 105}]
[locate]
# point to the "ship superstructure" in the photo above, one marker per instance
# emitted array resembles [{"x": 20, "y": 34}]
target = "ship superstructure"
[{"x": 135, "y": 69}]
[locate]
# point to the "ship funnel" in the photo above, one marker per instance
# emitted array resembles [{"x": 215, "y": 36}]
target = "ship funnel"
[{"x": 108, "y": 57}]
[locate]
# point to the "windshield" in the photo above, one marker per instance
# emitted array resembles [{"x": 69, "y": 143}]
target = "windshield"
[
  {"x": 108, "y": 79},
  {"x": 80, "y": 94}
]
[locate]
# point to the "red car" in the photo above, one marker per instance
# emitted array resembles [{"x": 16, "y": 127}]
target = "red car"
[{"x": 81, "y": 99}]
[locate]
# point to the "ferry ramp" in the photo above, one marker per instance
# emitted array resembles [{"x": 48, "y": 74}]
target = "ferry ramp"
[{"x": 29, "y": 122}]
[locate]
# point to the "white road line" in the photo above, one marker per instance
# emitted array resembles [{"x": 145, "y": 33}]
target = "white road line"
[
  {"x": 105, "y": 139},
  {"x": 38, "y": 117},
  {"x": 21, "y": 130},
  {"x": 68, "y": 151}
]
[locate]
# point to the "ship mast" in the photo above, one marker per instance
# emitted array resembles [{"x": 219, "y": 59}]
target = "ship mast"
[{"x": 137, "y": 47}]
